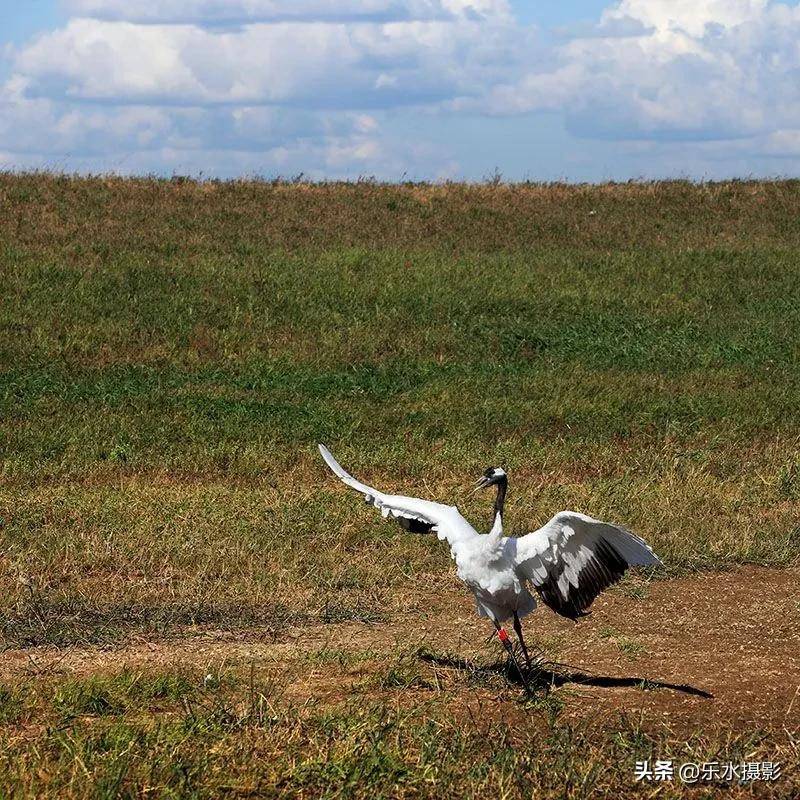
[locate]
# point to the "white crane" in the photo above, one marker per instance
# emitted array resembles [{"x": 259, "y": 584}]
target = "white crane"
[{"x": 567, "y": 562}]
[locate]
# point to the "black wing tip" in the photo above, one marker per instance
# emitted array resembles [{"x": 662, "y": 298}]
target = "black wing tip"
[
  {"x": 414, "y": 525},
  {"x": 604, "y": 569}
]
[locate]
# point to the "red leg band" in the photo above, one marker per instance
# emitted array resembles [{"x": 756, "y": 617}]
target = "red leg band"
[{"x": 502, "y": 635}]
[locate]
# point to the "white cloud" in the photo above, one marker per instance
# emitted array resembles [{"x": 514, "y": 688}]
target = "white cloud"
[
  {"x": 37, "y": 125},
  {"x": 306, "y": 85},
  {"x": 271, "y": 92},
  {"x": 782, "y": 144},
  {"x": 312, "y": 64},
  {"x": 681, "y": 69},
  {"x": 239, "y": 12},
  {"x": 690, "y": 16}
]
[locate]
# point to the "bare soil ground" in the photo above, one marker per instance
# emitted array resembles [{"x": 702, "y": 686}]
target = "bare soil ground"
[{"x": 655, "y": 650}]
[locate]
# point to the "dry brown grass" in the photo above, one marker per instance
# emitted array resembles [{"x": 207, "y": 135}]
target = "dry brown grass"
[{"x": 87, "y": 219}]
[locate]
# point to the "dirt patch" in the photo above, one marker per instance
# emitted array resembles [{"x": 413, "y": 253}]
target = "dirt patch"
[
  {"x": 648, "y": 650},
  {"x": 735, "y": 635}
]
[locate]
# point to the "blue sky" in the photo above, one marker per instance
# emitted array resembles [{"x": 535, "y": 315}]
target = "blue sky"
[
  {"x": 40, "y": 15},
  {"x": 554, "y": 14},
  {"x": 579, "y": 90},
  {"x": 18, "y": 21}
]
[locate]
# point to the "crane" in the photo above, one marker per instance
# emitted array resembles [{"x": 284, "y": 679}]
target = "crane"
[{"x": 567, "y": 562}]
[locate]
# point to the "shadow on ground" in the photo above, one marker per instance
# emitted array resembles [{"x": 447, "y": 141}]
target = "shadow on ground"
[{"x": 546, "y": 675}]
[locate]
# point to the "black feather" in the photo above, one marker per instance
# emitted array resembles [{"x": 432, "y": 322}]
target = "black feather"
[
  {"x": 414, "y": 525},
  {"x": 603, "y": 569}
]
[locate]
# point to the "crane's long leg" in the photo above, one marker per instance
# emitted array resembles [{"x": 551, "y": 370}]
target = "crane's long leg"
[
  {"x": 502, "y": 635},
  {"x": 518, "y": 629}
]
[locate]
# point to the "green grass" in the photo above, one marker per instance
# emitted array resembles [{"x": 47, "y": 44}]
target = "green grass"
[
  {"x": 167, "y": 373},
  {"x": 625, "y": 644},
  {"x": 171, "y": 353},
  {"x": 119, "y": 694}
]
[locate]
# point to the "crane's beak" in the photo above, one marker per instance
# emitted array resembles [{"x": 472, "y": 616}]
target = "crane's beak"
[{"x": 481, "y": 483}]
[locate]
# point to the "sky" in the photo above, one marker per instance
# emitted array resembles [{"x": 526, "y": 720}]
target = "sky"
[{"x": 576, "y": 90}]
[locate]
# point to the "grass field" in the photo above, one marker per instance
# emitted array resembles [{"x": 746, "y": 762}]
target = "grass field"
[{"x": 192, "y": 607}]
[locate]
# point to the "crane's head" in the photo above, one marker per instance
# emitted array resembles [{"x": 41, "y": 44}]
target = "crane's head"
[{"x": 491, "y": 477}]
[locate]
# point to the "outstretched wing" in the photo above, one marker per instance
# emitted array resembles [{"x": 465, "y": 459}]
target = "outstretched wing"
[
  {"x": 412, "y": 513},
  {"x": 573, "y": 558}
]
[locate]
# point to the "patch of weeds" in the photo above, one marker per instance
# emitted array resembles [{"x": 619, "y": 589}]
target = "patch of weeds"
[
  {"x": 115, "y": 695},
  {"x": 789, "y": 481},
  {"x": 366, "y": 758},
  {"x": 544, "y": 700},
  {"x": 607, "y": 632},
  {"x": 627, "y": 646},
  {"x": 636, "y": 590},
  {"x": 548, "y": 647},
  {"x": 405, "y": 673},
  {"x": 475, "y": 673},
  {"x": 251, "y": 747},
  {"x": 61, "y": 622},
  {"x": 92, "y": 696},
  {"x": 630, "y": 647},
  {"x": 337, "y": 656},
  {"x": 647, "y": 685},
  {"x": 119, "y": 453},
  {"x": 11, "y": 705},
  {"x": 404, "y": 677},
  {"x": 214, "y": 716},
  {"x": 46, "y": 620}
]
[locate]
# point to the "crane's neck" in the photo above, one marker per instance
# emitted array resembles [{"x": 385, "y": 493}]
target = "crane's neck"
[{"x": 499, "y": 504}]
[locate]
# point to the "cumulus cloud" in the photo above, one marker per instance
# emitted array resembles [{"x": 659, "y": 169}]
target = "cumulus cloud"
[
  {"x": 271, "y": 80},
  {"x": 675, "y": 69},
  {"x": 311, "y": 64},
  {"x": 213, "y": 13},
  {"x": 217, "y": 140},
  {"x": 310, "y": 85},
  {"x": 688, "y": 16},
  {"x": 39, "y": 126}
]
